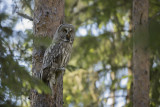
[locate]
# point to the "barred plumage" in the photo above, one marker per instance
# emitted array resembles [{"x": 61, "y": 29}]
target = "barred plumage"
[{"x": 57, "y": 54}]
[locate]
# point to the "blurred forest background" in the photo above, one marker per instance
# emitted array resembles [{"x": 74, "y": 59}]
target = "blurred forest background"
[{"x": 99, "y": 73}]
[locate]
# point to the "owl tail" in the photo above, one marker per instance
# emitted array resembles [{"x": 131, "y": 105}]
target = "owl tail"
[{"x": 52, "y": 82}]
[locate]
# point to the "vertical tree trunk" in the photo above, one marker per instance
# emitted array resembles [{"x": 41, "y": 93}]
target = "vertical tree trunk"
[
  {"x": 113, "y": 90},
  {"x": 129, "y": 97},
  {"x": 140, "y": 53},
  {"x": 48, "y": 15}
]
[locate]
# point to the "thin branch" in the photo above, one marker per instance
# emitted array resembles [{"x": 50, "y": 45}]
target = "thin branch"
[
  {"x": 74, "y": 5},
  {"x": 25, "y": 16},
  {"x": 157, "y": 14},
  {"x": 114, "y": 96}
]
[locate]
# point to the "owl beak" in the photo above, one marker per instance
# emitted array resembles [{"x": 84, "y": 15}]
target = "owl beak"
[{"x": 68, "y": 37}]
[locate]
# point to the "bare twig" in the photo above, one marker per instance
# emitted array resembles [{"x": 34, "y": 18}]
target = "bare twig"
[{"x": 25, "y": 16}]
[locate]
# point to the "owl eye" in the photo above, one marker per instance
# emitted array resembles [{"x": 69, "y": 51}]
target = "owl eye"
[
  {"x": 65, "y": 30},
  {"x": 70, "y": 30}
]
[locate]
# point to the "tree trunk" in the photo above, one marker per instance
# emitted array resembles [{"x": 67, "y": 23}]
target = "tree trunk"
[
  {"x": 113, "y": 90},
  {"x": 48, "y": 15},
  {"x": 140, "y": 53},
  {"x": 129, "y": 97}
]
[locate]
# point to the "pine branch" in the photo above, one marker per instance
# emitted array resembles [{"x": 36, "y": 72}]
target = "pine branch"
[{"x": 25, "y": 16}]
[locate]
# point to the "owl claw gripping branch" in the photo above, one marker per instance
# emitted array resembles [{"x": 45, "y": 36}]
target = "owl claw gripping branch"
[{"x": 57, "y": 55}]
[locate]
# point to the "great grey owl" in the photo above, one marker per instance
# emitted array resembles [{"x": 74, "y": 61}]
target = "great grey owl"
[{"x": 57, "y": 54}]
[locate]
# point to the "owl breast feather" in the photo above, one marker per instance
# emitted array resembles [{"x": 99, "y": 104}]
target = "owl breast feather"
[{"x": 57, "y": 55}]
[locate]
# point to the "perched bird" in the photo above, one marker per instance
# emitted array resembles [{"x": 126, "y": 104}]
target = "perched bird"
[{"x": 57, "y": 55}]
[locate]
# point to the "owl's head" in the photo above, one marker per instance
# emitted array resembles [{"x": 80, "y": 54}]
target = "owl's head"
[{"x": 65, "y": 33}]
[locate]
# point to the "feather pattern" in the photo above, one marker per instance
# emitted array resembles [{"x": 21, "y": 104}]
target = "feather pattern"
[{"x": 57, "y": 55}]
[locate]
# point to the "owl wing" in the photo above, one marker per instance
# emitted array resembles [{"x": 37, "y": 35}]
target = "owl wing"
[{"x": 51, "y": 59}]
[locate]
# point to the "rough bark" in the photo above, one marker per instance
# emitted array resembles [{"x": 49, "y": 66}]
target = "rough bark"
[
  {"x": 140, "y": 53},
  {"x": 48, "y": 15}
]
